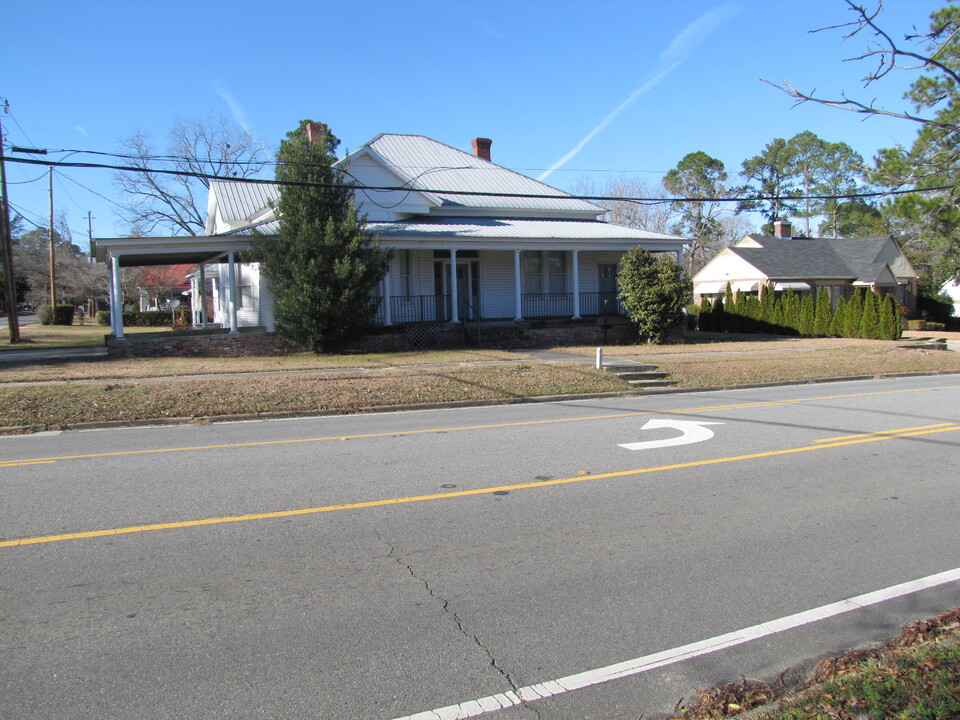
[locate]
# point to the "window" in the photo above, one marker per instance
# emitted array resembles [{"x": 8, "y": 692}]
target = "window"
[
  {"x": 404, "y": 270},
  {"x": 545, "y": 272},
  {"x": 244, "y": 289}
]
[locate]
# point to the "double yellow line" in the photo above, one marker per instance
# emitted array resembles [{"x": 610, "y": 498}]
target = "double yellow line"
[{"x": 815, "y": 446}]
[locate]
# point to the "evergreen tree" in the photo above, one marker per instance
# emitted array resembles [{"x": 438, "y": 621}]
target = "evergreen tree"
[
  {"x": 807, "y": 316},
  {"x": 885, "y": 328},
  {"x": 894, "y": 310},
  {"x": 851, "y": 318},
  {"x": 706, "y": 315},
  {"x": 654, "y": 291},
  {"x": 325, "y": 265},
  {"x": 824, "y": 313},
  {"x": 718, "y": 318},
  {"x": 868, "y": 320},
  {"x": 836, "y": 326},
  {"x": 767, "y": 309}
]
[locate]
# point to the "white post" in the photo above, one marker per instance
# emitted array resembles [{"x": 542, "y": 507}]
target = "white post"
[
  {"x": 387, "y": 310},
  {"x": 203, "y": 296},
  {"x": 116, "y": 313},
  {"x": 599, "y": 358},
  {"x": 454, "y": 299},
  {"x": 232, "y": 292},
  {"x": 517, "y": 286},
  {"x": 576, "y": 284}
]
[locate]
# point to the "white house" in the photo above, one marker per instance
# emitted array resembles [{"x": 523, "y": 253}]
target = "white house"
[{"x": 504, "y": 246}]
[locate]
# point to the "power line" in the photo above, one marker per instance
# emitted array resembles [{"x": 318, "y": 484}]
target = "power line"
[{"x": 476, "y": 193}]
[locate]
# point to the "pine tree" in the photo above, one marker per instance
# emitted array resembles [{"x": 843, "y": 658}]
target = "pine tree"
[
  {"x": 885, "y": 329},
  {"x": 326, "y": 264},
  {"x": 824, "y": 314},
  {"x": 718, "y": 317}
]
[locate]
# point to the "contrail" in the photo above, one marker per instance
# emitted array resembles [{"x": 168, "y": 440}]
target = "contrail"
[
  {"x": 677, "y": 51},
  {"x": 236, "y": 109}
]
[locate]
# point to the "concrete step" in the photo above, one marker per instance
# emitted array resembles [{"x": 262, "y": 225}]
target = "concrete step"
[
  {"x": 652, "y": 383},
  {"x": 642, "y": 375},
  {"x": 618, "y": 368}
]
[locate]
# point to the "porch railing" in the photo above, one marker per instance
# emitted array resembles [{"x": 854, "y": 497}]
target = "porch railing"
[{"x": 436, "y": 308}]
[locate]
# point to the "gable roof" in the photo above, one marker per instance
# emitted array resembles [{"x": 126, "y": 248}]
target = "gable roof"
[
  {"x": 854, "y": 259},
  {"x": 425, "y": 164}
]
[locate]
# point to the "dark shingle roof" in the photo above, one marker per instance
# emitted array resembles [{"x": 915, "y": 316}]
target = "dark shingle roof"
[{"x": 821, "y": 258}]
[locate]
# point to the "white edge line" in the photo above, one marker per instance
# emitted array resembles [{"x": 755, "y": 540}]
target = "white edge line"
[{"x": 549, "y": 688}]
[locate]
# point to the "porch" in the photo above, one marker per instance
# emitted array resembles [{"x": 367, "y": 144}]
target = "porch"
[{"x": 403, "y": 309}]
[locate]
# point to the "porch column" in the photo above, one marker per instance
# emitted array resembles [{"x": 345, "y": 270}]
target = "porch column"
[
  {"x": 232, "y": 291},
  {"x": 387, "y": 309},
  {"x": 576, "y": 284},
  {"x": 680, "y": 258},
  {"x": 203, "y": 296},
  {"x": 518, "y": 289},
  {"x": 454, "y": 303},
  {"x": 116, "y": 311}
]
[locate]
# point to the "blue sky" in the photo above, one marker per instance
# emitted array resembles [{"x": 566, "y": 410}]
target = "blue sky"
[{"x": 567, "y": 90}]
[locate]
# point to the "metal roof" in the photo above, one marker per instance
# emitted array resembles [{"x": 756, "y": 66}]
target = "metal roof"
[
  {"x": 243, "y": 200},
  {"x": 426, "y": 164},
  {"x": 504, "y": 228}
]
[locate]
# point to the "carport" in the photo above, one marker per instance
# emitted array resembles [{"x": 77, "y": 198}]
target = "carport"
[{"x": 192, "y": 250}]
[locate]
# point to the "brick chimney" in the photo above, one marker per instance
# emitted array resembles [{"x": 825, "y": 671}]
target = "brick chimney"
[
  {"x": 782, "y": 229},
  {"x": 317, "y": 132},
  {"x": 481, "y": 148}
]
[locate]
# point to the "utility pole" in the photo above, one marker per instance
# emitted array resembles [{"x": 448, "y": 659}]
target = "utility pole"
[
  {"x": 9, "y": 286},
  {"x": 53, "y": 288}
]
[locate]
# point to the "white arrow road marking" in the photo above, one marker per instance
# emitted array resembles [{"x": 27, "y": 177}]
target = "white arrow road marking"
[{"x": 693, "y": 431}]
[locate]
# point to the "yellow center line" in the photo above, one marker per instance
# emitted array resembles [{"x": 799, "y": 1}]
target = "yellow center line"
[
  {"x": 905, "y": 432},
  {"x": 399, "y": 433},
  {"x": 880, "y": 433}
]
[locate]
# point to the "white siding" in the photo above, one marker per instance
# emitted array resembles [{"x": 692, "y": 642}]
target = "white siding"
[
  {"x": 383, "y": 206},
  {"x": 498, "y": 298}
]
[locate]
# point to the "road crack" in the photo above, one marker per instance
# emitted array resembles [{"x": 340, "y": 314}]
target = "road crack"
[{"x": 445, "y": 606}]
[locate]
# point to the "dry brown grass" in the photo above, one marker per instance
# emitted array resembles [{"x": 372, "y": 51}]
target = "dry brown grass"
[
  {"x": 63, "y": 405},
  {"x": 724, "y": 370},
  {"x": 114, "y": 369}
]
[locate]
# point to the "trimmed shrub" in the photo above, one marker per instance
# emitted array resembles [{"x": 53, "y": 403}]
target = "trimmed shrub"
[
  {"x": 61, "y": 315},
  {"x": 149, "y": 318}
]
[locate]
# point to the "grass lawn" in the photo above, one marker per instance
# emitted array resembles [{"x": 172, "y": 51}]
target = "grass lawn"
[
  {"x": 65, "y": 393},
  {"x": 43, "y": 337}
]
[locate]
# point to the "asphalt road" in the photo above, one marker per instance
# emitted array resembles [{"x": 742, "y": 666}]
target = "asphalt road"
[{"x": 383, "y": 566}]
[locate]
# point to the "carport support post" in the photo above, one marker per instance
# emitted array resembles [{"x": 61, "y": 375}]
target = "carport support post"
[
  {"x": 202, "y": 295},
  {"x": 232, "y": 291},
  {"x": 116, "y": 311}
]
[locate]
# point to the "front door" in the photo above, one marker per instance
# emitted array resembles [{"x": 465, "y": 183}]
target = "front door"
[
  {"x": 468, "y": 286},
  {"x": 607, "y": 285}
]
